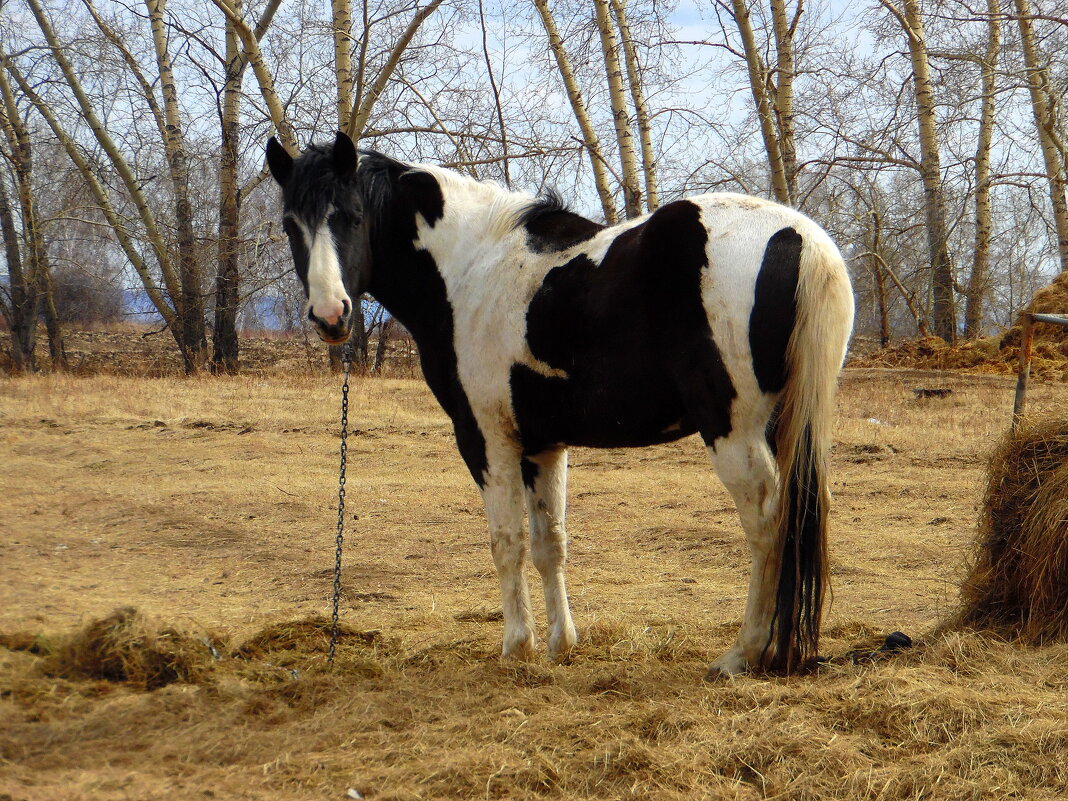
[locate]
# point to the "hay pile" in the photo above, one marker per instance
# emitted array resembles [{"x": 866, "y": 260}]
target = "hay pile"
[
  {"x": 990, "y": 355},
  {"x": 126, "y": 646},
  {"x": 1018, "y": 584},
  {"x": 1052, "y": 299}
]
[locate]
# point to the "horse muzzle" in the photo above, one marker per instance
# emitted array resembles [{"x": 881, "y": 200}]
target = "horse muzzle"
[
  {"x": 334, "y": 335},
  {"x": 334, "y": 330}
]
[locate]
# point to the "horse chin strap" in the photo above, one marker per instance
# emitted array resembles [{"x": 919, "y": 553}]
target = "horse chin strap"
[{"x": 346, "y": 363}]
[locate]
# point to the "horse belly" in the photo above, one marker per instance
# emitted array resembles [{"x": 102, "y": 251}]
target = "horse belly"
[{"x": 602, "y": 406}]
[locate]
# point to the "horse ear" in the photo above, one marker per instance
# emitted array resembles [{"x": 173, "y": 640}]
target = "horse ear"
[
  {"x": 345, "y": 157},
  {"x": 279, "y": 161}
]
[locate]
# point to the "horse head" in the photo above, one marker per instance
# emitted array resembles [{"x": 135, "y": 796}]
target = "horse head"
[{"x": 323, "y": 217}]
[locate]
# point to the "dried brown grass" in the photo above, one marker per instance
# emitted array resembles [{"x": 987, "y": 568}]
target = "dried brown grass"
[
  {"x": 625, "y": 719},
  {"x": 101, "y": 507},
  {"x": 1018, "y": 582}
]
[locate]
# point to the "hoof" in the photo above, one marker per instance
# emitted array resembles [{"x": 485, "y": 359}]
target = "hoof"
[
  {"x": 561, "y": 646},
  {"x": 731, "y": 663},
  {"x": 524, "y": 649}
]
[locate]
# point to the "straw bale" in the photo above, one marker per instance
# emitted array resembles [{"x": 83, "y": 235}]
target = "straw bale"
[{"x": 1018, "y": 579}]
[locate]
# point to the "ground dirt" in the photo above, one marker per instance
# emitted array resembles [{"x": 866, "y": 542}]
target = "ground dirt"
[{"x": 208, "y": 505}]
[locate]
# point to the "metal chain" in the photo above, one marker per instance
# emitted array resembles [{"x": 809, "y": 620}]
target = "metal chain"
[{"x": 346, "y": 361}]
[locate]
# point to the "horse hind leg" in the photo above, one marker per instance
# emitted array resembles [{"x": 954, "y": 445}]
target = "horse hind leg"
[
  {"x": 545, "y": 477},
  {"x": 744, "y": 463}
]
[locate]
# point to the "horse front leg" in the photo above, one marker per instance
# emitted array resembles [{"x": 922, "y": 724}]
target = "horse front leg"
[
  {"x": 545, "y": 476},
  {"x": 502, "y": 494}
]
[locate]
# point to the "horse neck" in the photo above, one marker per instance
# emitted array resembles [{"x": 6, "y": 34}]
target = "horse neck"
[{"x": 459, "y": 225}]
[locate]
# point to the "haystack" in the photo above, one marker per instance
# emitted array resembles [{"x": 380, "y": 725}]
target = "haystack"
[{"x": 1018, "y": 582}]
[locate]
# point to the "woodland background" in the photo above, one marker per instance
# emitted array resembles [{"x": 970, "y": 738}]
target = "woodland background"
[{"x": 929, "y": 138}]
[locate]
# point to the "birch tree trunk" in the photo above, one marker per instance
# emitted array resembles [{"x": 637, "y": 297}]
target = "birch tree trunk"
[
  {"x": 783, "y": 90},
  {"x": 758, "y": 84},
  {"x": 978, "y": 281},
  {"x": 345, "y": 80},
  {"x": 876, "y": 262},
  {"x": 628, "y": 162},
  {"x": 251, "y": 53},
  {"x": 37, "y": 293},
  {"x": 20, "y": 308},
  {"x": 190, "y": 304},
  {"x": 225, "y": 342},
  {"x": 1044, "y": 105},
  {"x": 578, "y": 107},
  {"x": 225, "y": 347},
  {"x": 943, "y": 311},
  {"x": 641, "y": 111}
]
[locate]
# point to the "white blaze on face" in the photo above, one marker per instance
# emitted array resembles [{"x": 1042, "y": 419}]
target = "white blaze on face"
[{"x": 326, "y": 291}]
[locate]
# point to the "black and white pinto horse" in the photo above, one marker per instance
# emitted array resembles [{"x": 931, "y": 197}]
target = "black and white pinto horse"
[{"x": 723, "y": 315}]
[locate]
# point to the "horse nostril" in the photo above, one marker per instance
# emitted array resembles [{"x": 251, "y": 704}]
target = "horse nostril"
[{"x": 346, "y": 309}]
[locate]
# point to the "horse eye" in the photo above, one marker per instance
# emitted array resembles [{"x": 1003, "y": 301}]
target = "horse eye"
[{"x": 345, "y": 218}]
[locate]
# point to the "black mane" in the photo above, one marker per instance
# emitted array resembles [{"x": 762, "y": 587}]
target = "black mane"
[
  {"x": 377, "y": 177},
  {"x": 314, "y": 184},
  {"x": 552, "y": 226}
]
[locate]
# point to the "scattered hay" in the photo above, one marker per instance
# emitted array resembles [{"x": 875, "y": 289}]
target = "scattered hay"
[
  {"x": 310, "y": 634},
  {"x": 21, "y": 641},
  {"x": 126, "y": 646},
  {"x": 1018, "y": 584}
]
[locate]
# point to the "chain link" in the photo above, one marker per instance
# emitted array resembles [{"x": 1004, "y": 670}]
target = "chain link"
[{"x": 346, "y": 362}]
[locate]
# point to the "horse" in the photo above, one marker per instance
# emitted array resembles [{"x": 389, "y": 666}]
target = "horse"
[{"x": 721, "y": 314}]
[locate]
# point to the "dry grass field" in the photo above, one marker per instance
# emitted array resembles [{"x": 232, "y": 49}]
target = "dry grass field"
[{"x": 207, "y": 505}]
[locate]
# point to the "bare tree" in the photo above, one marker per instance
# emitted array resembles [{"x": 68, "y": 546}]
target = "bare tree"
[
  {"x": 978, "y": 281},
  {"x": 590, "y": 140},
  {"x": 30, "y": 285},
  {"x": 641, "y": 109},
  {"x": 628, "y": 175},
  {"x": 180, "y": 299},
  {"x": 944, "y": 316},
  {"x": 190, "y": 303},
  {"x": 1044, "y": 107},
  {"x": 772, "y": 91}
]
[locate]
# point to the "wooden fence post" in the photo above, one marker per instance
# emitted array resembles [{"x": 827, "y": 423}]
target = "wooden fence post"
[{"x": 1027, "y": 338}]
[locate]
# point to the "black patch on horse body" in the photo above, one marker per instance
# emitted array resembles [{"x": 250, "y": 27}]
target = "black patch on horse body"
[
  {"x": 530, "y": 470},
  {"x": 411, "y": 288},
  {"x": 632, "y": 335},
  {"x": 674, "y": 244},
  {"x": 551, "y": 226},
  {"x": 775, "y": 308}
]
